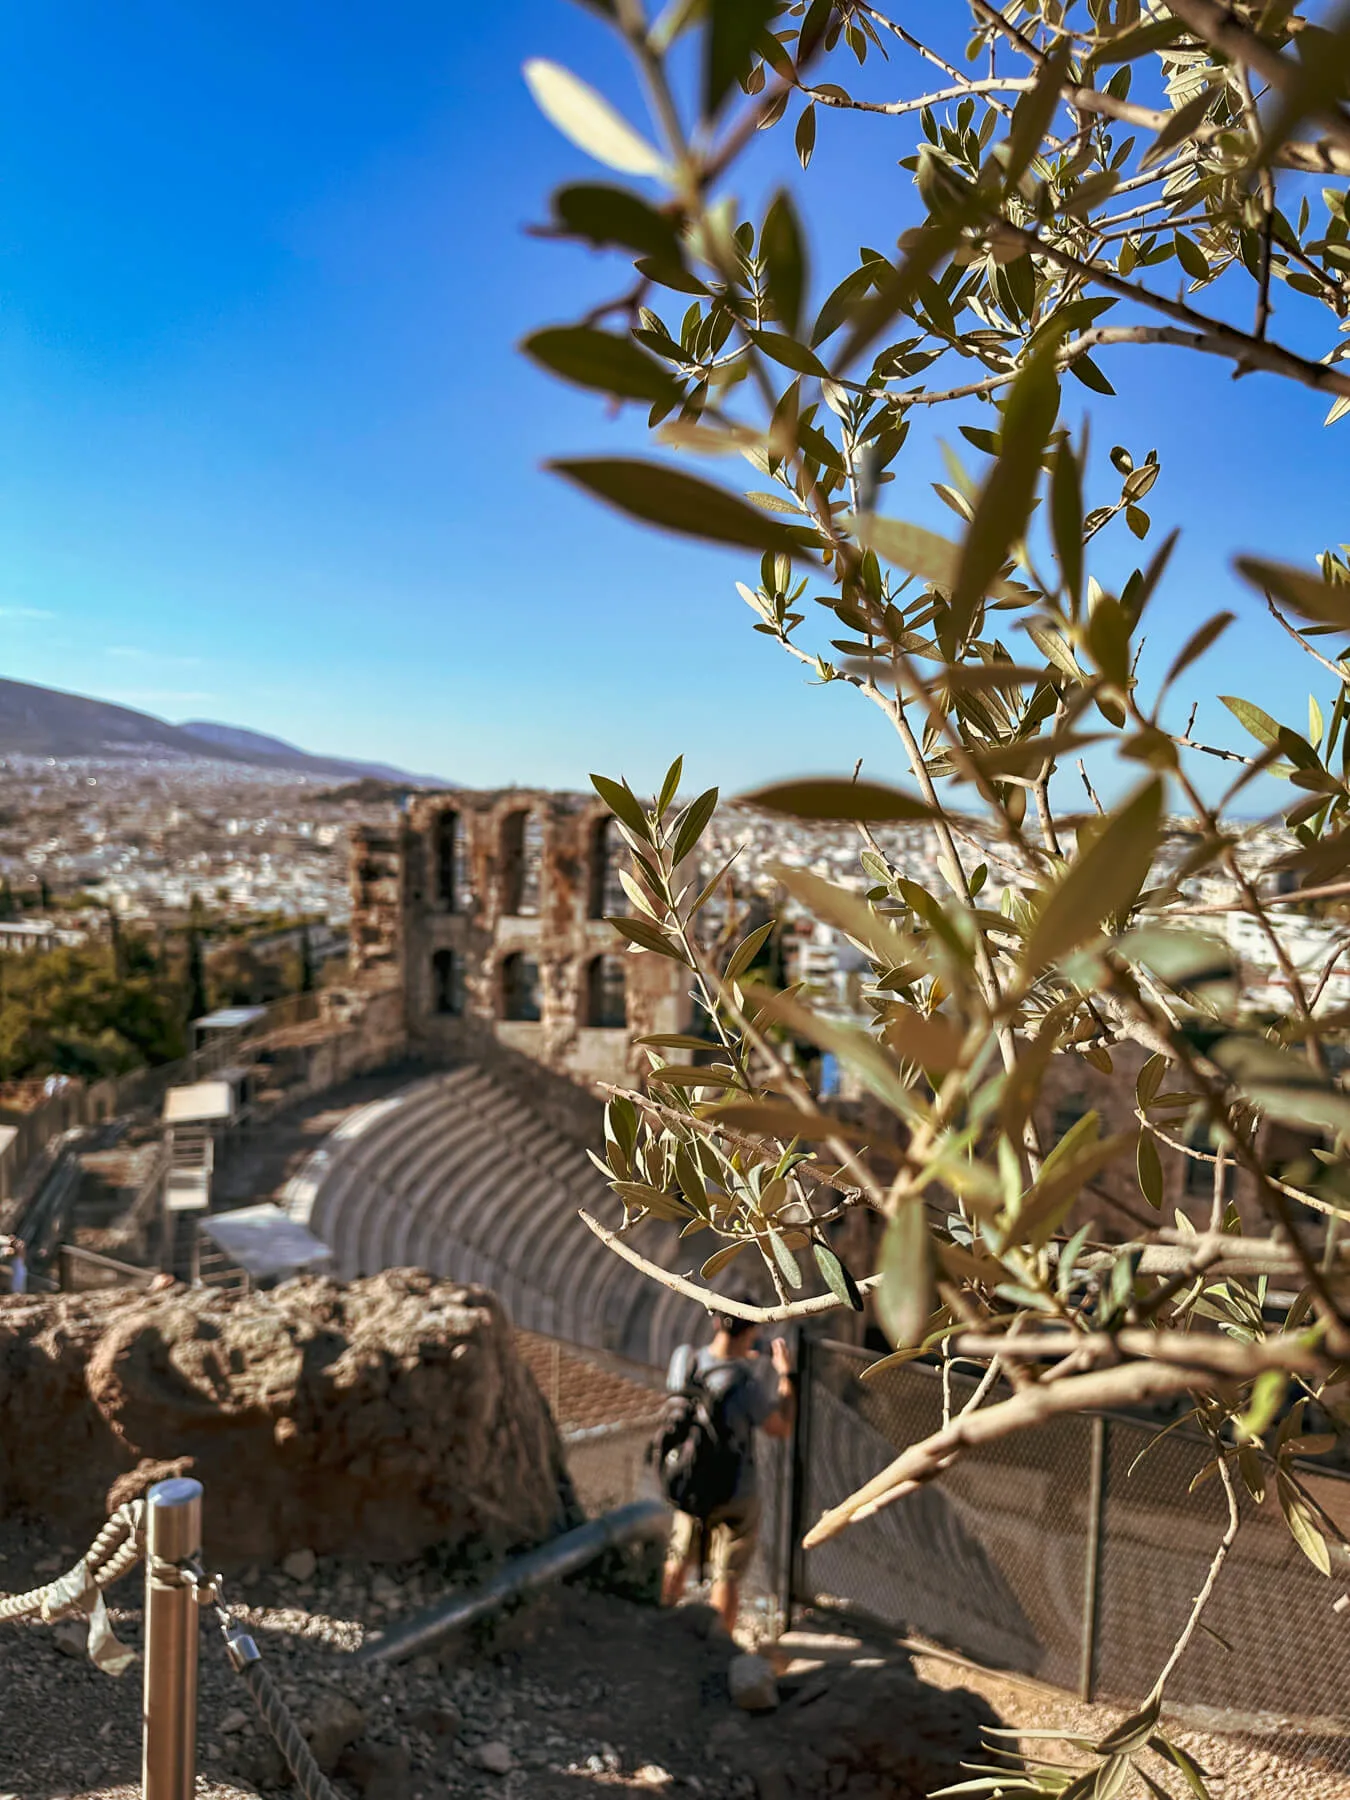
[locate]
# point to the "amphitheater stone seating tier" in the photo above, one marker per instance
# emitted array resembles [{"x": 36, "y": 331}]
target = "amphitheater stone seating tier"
[{"x": 456, "y": 1174}]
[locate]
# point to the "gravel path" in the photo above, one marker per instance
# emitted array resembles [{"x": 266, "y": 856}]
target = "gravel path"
[
  {"x": 1264, "y": 1766},
  {"x": 581, "y": 1690}
]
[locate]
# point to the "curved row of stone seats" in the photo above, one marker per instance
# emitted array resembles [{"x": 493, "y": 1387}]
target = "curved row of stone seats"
[{"x": 457, "y": 1174}]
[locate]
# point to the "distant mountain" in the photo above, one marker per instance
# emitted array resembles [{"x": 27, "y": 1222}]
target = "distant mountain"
[
  {"x": 255, "y": 746},
  {"x": 39, "y": 721}
]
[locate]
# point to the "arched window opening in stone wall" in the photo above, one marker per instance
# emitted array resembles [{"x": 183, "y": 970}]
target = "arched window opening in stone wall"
[
  {"x": 452, "y": 873},
  {"x": 606, "y": 993},
  {"x": 522, "y": 862},
  {"x": 520, "y": 987},
  {"x": 609, "y": 854},
  {"x": 447, "y": 983}
]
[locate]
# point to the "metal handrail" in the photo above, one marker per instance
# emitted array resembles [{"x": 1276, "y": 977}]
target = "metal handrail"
[{"x": 99, "y": 1261}]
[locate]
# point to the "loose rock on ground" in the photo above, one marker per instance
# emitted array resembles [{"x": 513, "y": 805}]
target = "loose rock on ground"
[{"x": 580, "y": 1692}]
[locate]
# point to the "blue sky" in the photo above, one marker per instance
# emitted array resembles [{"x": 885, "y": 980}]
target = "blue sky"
[{"x": 269, "y": 454}]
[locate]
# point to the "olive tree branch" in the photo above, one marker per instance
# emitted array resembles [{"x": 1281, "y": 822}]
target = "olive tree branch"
[
  {"x": 1202, "y": 1599},
  {"x": 930, "y": 55},
  {"x": 719, "y": 1303},
  {"x": 1128, "y": 1384},
  {"x": 1224, "y": 340},
  {"x": 1195, "y": 1154},
  {"x": 1339, "y": 670},
  {"x": 1205, "y": 1351},
  {"x": 850, "y": 1194},
  {"x": 1266, "y": 183},
  {"x": 1218, "y": 1196},
  {"x": 1324, "y": 156},
  {"x": 1187, "y": 742},
  {"x": 1097, "y": 337},
  {"x": 1326, "y": 974},
  {"x": 1331, "y": 890},
  {"x": 1040, "y": 788},
  {"x": 896, "y": 108},
  {"x": 1216, "y": 25},
  {"x": 992, "y": 16}
]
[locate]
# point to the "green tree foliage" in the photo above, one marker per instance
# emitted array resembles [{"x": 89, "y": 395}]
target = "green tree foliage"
[
  {"x": 1091, "y": 183},
  {"x": 238, "y": 975},
  {"x": 70, "y": 1012}
]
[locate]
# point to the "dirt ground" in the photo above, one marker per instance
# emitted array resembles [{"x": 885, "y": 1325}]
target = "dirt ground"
[
  {"x": 581, "y": 1690},
  {"x": 1266, "y": 1766},
  {"x": 584, "y": 1690}
]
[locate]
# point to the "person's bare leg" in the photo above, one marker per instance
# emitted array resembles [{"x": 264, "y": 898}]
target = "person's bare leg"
[
  {"x": 674, "y": 1579},
  {"x": 726, "y": 1599}
]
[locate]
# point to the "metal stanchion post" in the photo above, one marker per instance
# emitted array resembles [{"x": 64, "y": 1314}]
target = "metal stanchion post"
[{"x": 173, "y": 1529}]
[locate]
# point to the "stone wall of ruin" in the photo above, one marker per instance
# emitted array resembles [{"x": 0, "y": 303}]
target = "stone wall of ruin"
[
  {"x": 374, "y": 1418},
  {"x": 404, "y": 917},
  {"x": 376, "y": 882}
]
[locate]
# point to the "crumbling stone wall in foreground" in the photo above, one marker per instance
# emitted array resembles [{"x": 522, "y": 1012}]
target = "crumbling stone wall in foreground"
[{"x": 376, "y": 1418}]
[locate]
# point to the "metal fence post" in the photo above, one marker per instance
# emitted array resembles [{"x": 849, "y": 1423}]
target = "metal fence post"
[
  {"x": 792, "y": 1583},
  {"x": 169, "y": 1742},
  {"x": 1092, "y": 1570}
]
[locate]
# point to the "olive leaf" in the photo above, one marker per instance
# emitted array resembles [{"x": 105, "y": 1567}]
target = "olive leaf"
[
  {"x": 589, "y": 120},
  {"x": 732, "y": 34},
  {"x": 831, "y": 797},
  {"x": 1324, "y": 602},
  {"x": 1105, "y": 879},
  {"x": 905, "y": 1298},
  {"x": 783, "y": 248},
  {"x": 661, "y": 495},
  {"x": 925, "y": 553},
  {"x": 837, "y": 1278},
  {"x": 605, "y": 215},
  {"x": 598, "y": 359},
  {"x": 1004, "y": 505}
]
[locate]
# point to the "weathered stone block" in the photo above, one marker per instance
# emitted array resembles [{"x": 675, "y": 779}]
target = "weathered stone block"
[{"x": 374, "y": 1419}]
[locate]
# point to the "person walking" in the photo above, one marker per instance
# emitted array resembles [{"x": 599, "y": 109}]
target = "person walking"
[{"x": 721, "y": 1395}]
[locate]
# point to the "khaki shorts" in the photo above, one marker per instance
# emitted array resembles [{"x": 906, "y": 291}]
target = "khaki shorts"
[{"x": 732, "y": 1534}]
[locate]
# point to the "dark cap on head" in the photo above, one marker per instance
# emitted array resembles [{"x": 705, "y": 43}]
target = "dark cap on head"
[{"x": 733, "y": 1325}]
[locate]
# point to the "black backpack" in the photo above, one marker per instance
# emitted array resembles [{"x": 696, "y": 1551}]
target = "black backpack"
[{"x": 697, "y": 1459}]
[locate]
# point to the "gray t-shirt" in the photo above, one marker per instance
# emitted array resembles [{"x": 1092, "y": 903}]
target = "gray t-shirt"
[{"x": 745, "y": 1401}]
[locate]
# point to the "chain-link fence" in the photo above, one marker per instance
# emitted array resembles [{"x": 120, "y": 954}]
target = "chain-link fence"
[
  {"x": 991, "y": 1560},
  {"x": 608, "y": 1465},
  {"x": 1073, "y": 1552},
  {"x": 606, "y": 1409}
]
